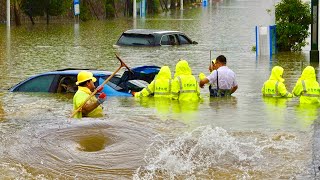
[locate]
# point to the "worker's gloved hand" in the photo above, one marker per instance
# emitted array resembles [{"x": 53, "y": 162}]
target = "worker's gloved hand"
[
  {"x": 99, "y": 88},
  {"x": 202, "y": 76},
  {"x": 133, "y": 93},
  {"x": 102, "y": 97}
]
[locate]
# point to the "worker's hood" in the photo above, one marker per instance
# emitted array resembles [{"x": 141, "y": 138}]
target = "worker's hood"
[
  {"x": 308, "y": 74},
  {"x": 164, "y": 73},
  {"x": 276, "y": 74},
  {"x": 182, "y": 68}
]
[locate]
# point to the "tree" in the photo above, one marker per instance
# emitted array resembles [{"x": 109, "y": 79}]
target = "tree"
[
  {"x": 293, "y": 18},
  {"x": 110, "y": 9},
  {"x": 34, "y": 8},
  {"x": 16, "y": 11}
]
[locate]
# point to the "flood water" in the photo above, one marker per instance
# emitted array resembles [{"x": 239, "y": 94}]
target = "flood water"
[{"x": 243, "y": 137}]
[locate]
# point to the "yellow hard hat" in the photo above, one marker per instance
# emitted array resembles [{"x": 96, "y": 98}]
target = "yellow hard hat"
[{"x": 85, "y": 76}]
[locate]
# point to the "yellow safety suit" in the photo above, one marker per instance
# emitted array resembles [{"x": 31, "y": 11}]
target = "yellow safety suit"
[
  {"x": 307, "y": 87},
  {"x": 306, "y": 114},
  {"x": 81, "y": 95},
  {"x": 185, "y": 87},
  {"x": 160, "y": 86},
  {"x": 274, "y": 87}
]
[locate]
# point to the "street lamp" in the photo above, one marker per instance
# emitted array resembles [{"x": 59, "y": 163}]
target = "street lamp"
[{"x": 314, "y": 53}]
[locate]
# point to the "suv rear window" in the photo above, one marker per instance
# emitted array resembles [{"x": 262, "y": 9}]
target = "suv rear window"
[
  {"x": 136, "y": 39},
  {"x": 37, "y": 84}
]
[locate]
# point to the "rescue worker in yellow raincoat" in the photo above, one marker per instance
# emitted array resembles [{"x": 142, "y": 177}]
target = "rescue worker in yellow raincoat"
[
  {"x": 92, "y": 108},
  {"x": 274, "y": 86},
  {"x": 185, "y": 86},
  {"x": 160, "y": 86},
  {"x": 307, "y": 87}
]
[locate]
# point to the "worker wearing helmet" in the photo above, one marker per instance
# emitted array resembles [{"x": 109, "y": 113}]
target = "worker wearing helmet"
[
  {"x": 160, "y": 86},
  {"x": 184, "y": 85},
  {"x": 91, "y": 108},
  {"x": 274, "y": 86},
  {"x": 223, "y": 77},
  {"x": 307, "y": 87}
]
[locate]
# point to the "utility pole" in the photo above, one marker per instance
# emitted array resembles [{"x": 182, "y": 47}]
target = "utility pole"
[
  {"x": 181, "y": 5},
  {"x": 134, "y": 9},
  {"x": 8, "y": 13},
  {"x": 314, "y": 52}
]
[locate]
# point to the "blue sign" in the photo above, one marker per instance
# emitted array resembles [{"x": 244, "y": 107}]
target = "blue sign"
[
  {"x": 143, "y": 8},
  {"x": 76, "y": 7},
  {"x": 204, "y": 3}
]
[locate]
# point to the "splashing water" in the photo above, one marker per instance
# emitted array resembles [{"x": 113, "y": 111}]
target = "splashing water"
[{"x": 197, "y": 153}]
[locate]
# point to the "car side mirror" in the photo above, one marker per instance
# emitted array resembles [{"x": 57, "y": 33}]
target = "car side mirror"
[{"x": 194, "y": 42}]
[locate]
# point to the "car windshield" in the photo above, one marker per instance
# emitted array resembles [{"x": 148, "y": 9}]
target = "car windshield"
[{"x": 136, "y": 39}]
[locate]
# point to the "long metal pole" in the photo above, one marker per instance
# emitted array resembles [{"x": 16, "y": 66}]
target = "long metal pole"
[
  {"x": 181, "y": 4},
  {"x": 134, "y": 9},
  {"x": 8, "y": 13},
  {"x": 314, "y": 53}
]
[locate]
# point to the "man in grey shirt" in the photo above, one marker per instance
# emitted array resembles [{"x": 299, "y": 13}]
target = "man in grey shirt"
[{"x": 223, "y": 77}]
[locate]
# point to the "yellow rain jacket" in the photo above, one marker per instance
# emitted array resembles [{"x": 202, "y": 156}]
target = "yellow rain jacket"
[
  {"x": 185, "y": 87},
  {"x": 307, "y": 87},
  {"x": 81, "y": 95},
  {"x": 274, "y": 87},
  {"x": 160, "y": 86}
]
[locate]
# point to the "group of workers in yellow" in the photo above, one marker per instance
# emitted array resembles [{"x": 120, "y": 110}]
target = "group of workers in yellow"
[
  {"x": 307, "y": 87},
  {"x": 185, "y": 87}
]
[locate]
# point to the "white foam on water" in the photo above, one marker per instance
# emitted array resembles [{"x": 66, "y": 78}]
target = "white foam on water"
[{"x": 194, "y": 153}]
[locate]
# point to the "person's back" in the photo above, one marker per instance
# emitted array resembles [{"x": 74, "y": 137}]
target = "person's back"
[
  {"x": 160, "y": 86},
  {"x": 184, "y": 85},
  {"x": 274, "y": 86},
  {"x": 307, "y": 87},
  {"x": 223, "y": 78}
]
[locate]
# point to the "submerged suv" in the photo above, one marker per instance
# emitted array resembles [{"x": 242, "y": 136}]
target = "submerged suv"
[{"x": 150, "y": 37}]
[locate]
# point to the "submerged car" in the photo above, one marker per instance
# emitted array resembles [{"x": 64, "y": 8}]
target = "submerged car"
[
  {"x": 64, "y": 81},
  {"x": 150, "y": 37}
]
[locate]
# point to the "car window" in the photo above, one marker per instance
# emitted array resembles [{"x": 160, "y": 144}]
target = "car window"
[
  {"x": 169, "y": 40},
  {"x": 38, "y": 84},
  {"x": 165, "y": 40},
  {"x": 184, "y": 39},
  {"x": 136, "y": 39},
  {"x": 67, "y": 84}
]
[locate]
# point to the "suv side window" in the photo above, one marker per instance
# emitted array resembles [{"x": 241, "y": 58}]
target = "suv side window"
[
  {"x": 169, "y": 40},
  {"x": 184, "y": 39},
  {"x": 165, "y": 40}
]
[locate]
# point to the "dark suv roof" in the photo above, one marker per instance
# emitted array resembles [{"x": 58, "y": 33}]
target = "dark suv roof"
[
  {"x": 153, "y": 37},
  {"x": 149, "y": 31}
]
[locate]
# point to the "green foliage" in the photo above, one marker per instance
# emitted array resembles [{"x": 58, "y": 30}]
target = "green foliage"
[
  {"x": 33, "y": 7},
  {"x": 58, "y": 7},
  {"x": 39, "y": 8},
  {"x": 293, "y": 18},
  {"x": 85, "y": 13},
  {"x": 253, "y": 48},
  {"x": 110, "y": 11},
  {"x": 153, "y": 6}
]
